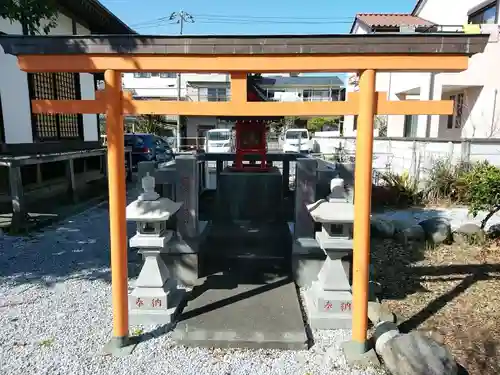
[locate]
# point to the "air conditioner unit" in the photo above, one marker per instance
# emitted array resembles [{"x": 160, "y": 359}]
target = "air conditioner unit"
[{"x": 406, "y": 29}]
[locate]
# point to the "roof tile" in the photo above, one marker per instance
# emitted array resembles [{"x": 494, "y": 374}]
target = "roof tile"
[{"x": 392, "y": 20}]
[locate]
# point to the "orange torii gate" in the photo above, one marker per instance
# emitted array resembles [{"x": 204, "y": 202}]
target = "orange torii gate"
[{"x": 366, "y": 54}]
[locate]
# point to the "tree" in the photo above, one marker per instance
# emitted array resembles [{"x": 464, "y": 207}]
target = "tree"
[
  {"x": 483, "y": 190},
  {"x": 381, "y": 125},
  {"x": 37, "y": 15},
  {"x": 316, "y": 124},
  {"x": 152, "y": 124}
]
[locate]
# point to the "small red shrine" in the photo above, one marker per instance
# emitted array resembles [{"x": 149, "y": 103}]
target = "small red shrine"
[{"x": 250, "y": 137}]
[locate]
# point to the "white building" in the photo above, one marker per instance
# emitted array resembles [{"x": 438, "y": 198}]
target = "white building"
[
  {"x": 24, "y": 133},
  {"x": 60, "y": 153},
  {"x": 475, "y": 91}
]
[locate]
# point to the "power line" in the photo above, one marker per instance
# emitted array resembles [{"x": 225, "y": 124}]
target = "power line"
[
  {"x": 180, "y": 18},
  {"x": 212, "y": 18},
  {"x": 241, "y": 22},
  {"x": 270, "y": 17},
  {"x": 275, "y": 22}
]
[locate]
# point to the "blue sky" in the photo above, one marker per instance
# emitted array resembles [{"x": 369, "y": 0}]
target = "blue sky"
[{"x": 251, "y": 17}]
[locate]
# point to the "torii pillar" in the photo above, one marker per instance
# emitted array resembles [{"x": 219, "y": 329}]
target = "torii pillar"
[{"x": 121, "y": 343}]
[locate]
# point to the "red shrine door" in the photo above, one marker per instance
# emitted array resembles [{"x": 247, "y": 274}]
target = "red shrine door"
[{"x": 250, "y": 139}]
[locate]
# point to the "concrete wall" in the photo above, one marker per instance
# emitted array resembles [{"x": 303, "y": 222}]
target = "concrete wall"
[{"x": 14, "y": 88}]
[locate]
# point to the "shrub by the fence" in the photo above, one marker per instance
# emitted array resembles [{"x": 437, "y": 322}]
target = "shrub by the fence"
[
  {"x": 443, "y": 182},
  {"x": 396, "y": 190},
  {"x": 482, "y": 190}
]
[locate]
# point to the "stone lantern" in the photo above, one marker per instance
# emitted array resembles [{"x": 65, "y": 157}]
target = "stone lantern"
[
  {"x": 156, "y": 297},
  {"x": 329, "y": 299}
]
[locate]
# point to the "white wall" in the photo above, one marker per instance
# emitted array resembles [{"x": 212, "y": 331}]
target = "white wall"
[
  {"x": 483, "y": 117},
  {"x": 14, "y": 93},
  {"x": 414, "y": 157},
  {"x": 479, "y": 83},
  {"x": 14, "y": 88},
  {"x": 167, "y": 87},
  {"x": 447, "y": 13},
  {"x": 192, "y": 123},
  {"x": 382, "y": 83},
  {"x": 151, "y": 87}
]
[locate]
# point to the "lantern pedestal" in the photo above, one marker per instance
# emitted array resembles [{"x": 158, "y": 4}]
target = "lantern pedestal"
[
  {"x": 329, "y": 299},
  {"x": 156, "y": 297}
]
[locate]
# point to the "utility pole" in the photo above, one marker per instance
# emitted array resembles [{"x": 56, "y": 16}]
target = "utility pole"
[{"x": 180, "y": 18}]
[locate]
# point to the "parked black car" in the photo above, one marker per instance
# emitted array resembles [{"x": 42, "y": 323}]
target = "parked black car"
[{"x": 148, "y": 147}]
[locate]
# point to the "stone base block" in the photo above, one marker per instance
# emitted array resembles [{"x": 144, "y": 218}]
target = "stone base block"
[
  {"x": 183, "y": 267},
  {"x": 150, "y": 242},
  {"x": 249, "y": 195},
  {"x": 360, "y": 355},
  {"x": 182, "y": 258},
  {"x": 307, "y": 260},
  {"x": 151, "y": 306},
  {"x": 328, "y": 309},
  {"x": 120, "y": 347}
]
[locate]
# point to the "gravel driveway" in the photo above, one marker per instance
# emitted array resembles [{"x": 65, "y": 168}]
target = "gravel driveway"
[{"x": 55, "y": 316}]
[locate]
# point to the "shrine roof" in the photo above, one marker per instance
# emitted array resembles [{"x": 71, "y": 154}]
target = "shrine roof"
[{"x": 386, "y": 43}]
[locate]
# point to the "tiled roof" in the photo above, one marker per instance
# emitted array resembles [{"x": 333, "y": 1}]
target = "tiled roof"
[
  {"x": 391, "y": 20},
  {"x": 301, "y": 81}
]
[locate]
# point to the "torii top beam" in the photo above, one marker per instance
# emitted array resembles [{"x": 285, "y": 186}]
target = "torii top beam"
[{"x": 270, "y": 54}]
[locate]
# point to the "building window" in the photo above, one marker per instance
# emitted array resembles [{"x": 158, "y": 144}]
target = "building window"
[
  {"x": 455, "y": 120},
  {"x": 168, "y": 75},
  {"x": 142, "y": 75},
  {"x": 271, "y": 93},
  {"x": 216, "y": 94},
  {"x": 58, "y": 86},
  {"x": 319, "y": 95},
  {"x": 410, "y": 126},
  {"x": 487, "y": 14},
  {"x": 355, "y": 123}
]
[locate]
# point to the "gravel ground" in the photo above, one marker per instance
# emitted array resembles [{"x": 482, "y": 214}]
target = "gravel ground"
[{"x": 55, "y": 316}]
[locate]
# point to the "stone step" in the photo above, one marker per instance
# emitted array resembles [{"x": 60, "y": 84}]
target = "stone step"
[
  {"x": 247, "y": 266},
  {"x": 227, "y": 311}
]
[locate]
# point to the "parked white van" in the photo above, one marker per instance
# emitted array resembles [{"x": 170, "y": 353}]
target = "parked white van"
[
  {"x": 219, "y": 141},
  {"x": 297, "y": 140}
]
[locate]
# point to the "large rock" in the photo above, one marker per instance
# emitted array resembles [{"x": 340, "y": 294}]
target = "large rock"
[
  {"x": 413, "y": 233},
  {"x": 400, "y": 224},
  {"x": 494, "y": 231},
  {"x": 437, "y": 230},
  {"x": 382, "y": 228},
  {"x": 415, "y": 353},
  {"x": 469, "y": 234}
]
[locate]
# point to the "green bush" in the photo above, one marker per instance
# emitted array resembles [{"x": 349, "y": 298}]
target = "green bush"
[
  {"x": 483, "y": 189},
  {"x": 398, "y": 190},
  {"x": 444, "y": 182}
]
